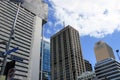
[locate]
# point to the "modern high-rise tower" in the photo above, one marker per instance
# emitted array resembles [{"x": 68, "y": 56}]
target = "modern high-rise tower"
[
  {"x": 66, "y": 55},
  {"x": 31, "y": 16},
  {"x": 103, "y": 51},
  {"x": 45, "y": 61},
  {"x": 106, "y": 68}
]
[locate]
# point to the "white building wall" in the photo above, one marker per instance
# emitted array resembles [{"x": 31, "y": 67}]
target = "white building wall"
[
  {"x": 35, "y": 50},
  {"x": 28, "y": 44}
]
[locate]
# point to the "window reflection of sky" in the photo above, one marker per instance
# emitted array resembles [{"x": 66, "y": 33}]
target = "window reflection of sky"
[{"x": 46, "y": 58}]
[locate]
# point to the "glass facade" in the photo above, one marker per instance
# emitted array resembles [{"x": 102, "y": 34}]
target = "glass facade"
[{"x": 46, "y": 60}]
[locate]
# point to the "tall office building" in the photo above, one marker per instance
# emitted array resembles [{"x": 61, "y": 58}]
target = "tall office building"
[
  {"x": 45, "y": 61},
  {"x": 103, "y": 51},
  {"x": 31, "y": 17},
  {"x": 107, "y": 69},
  {"x": 88, "y": 66},
  {"x": 66, "y": 55}
]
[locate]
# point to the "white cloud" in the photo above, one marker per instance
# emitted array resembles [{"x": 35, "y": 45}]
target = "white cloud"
[
  {"x": 46, "y": 39},
  {"x": 90, "y": 17}
]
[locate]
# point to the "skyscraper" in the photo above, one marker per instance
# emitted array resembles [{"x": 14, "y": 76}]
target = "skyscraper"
[
  {"x": 88, "y": 66},
  {"x": 46, "y": 60},
  {"x": 66, "y": 55},
  {"x": 106, "y": 68},
  {"x": 31, "y": 17},
  {"x": 103, "y": 51}
]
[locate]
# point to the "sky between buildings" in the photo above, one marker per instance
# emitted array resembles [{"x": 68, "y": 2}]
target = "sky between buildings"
[{"x": 94, "y": 19}]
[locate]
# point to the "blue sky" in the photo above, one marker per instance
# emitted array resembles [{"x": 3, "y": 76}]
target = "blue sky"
[{"x": 94, "y": 19}]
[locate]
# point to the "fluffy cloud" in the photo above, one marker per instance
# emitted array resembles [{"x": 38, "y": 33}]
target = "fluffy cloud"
[
  {"x": 90, "y": 17},
  {"x": 46, "y": 39}
]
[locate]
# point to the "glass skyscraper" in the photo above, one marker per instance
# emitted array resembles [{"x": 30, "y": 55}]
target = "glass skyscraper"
[{"x": 46, "y": 60}]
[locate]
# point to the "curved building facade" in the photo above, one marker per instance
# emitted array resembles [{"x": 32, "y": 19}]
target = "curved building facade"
[{"x": 108, "y": 69}]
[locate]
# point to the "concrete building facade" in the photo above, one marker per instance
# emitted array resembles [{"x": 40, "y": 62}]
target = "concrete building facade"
[
  {"x": 107, "y": 69},
  {"x": 66, "y": 55},
  {"x": 27, "y": 35},
  {"x": 103, "y": 51}
]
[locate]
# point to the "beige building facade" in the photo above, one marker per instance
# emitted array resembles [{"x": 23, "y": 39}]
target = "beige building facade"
[
  {"x": 66, "y": 55},
  {"x": 103, "y": 51}
]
